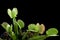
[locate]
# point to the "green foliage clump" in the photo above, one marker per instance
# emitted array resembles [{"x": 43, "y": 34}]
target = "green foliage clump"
[{"x": 34, "y": 31}]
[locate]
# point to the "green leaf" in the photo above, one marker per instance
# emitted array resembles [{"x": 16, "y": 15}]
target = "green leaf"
[
  {"x": 6, "y": 26},
  {"x": 42, "y": 37},
  {"x": 20, "y": 24},
  {"x": 1, "y": 39},
  {"x": 12, "y": 13},
  {"x": 9, "y": 13},
  {"x": 33, "y": 27},
  {"x": 10, "y": 30},
  {"x": 52, "y": 31},
  {"x": 13, "y": 36}
]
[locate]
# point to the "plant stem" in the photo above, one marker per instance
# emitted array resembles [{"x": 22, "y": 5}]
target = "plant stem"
[
  {"x": 15, "y": 27},
  {"x": 25, "y": 35}
]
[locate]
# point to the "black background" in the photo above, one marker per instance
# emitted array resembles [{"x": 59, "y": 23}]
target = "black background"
[{"x": 46, "y": 12}]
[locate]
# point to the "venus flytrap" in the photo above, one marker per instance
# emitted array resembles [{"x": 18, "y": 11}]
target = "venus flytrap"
[
  {"x": 20, "y": 24},
  {"x": 33, "y": 28},
  {"x": 15, "y": 30},
  {"x": 41, "y": 28},
  {"x": 12, "y": 13},
  {"x": 52, "y": 32},
  {"x": 6, "y": 26}
]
